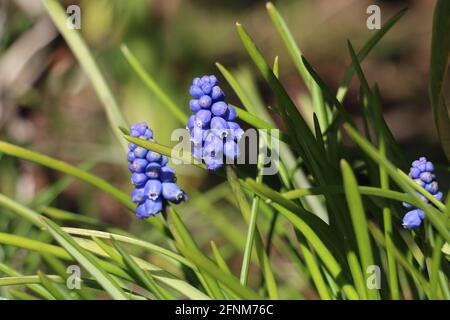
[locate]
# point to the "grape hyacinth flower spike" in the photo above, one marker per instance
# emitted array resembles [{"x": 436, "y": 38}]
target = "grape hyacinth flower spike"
[
  {"x": 422, "y": 172},
  {"x": 154, "y": 181},
  {"x": 214, "y": 133}
]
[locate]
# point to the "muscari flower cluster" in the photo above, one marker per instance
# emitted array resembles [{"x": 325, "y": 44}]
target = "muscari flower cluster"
[
  {"x": 422, "y": 173},
  {"x": 154, "y": 181},
  {"x": 214, "y": 133}
]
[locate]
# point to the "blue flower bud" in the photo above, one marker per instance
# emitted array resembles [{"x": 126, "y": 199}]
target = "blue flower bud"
[
  {"x": 231, "y": 115},
  {"x": 414, "y": 173},
  {"x": 206, "y": 88},
  {"x": 140, "y": 152},
  {"x": 130, "y": 167},
  {"x": 139, "y": 128},
  {"x": 138, "y": 179},
  {"x": 196, "y": 81},
  {"x": 213, "y": 163},
  {"x": 412, "y": 219},
  {"x": 426, "y": 177},
  {"x": 137, "y": 196},
  {"x": 167, "y": 174},
  {"x": 132, "y": 146},
  {"x": 219, "y": 108},
  {"x": 202, "y": 118},
  {"x": 438, "y": 196},
  {"x": 407, "y": 205},
  {"x": 197, "y": 135},
  {"x": 231, "y": 149},
  {"x": 153, "y": 156},
  {"x": 163, "y": 161},
  {"x": 140, "y": 211},
  {"x": 152, "y": 189},
  {"x": 171, "y": 192},
  {"x": 148, "y": 134},
  {"x": 236, "y": 130},
  {"x": 219, "y": 127},
  {"x": 194, "y": 105},
  {"x": 419, "y": 182},
  {"x": 205, "y": 101},
  {"x": 213, "y": 146},
  {"x": 152, "y": 207},
  {"x": 139, "y": 165},
  {"x": 195, "y": 91},
  {"x": 153, "y": 170},
  {"x": 432, "y": 187},
  {"x": 197, "y": 151},
  {"x": 205, "y": 79},
  {"x": 217, "y": 94},
  {"x": 131, "y": 156},
  {"x": 429, "y": 166},
  {"x": 190, "y": 124},
  {"x": 212, "y": 80}
]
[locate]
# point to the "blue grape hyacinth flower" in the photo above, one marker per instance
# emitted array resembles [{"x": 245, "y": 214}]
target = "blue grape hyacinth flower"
[
  {"x": 214, "y": 133},
  {"x": 422, "y": 172},
  {"x": 154, "y": 181}
]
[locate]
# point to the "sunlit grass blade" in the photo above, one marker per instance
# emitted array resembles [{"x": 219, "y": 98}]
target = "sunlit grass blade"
[
  {"x": 440, "y": 55},
  {"x": 185, "y": 157},
  {"x": 206, "y": 265},
  {"x": 264, "y": 261},
  {"x": 53, "y": 288},
  {"x": 304, "y": 139},
  {"x": 253, "y": 221},
  {"x": 183, "y": 237},
  {"x": 130, "y": 240},
  {"x": 317, "y": 242},
  {"x": 401, "y": 259},
  {"x": 144, "y": 277},
  {"x": 159, "y": 274},
  {"x": 34, "y": 287},
  {"x": 219, "y": 259},
  {"x": 436, "y": 267},
  {"x": 359, "y": 220},
  {"x": 90, "y": 67},
  {"x": 21, "y": 295},
  {"x": 327, "y": 92},
  {"x": 66, "y": 168},
  {"x": 290, "y": 43},
  {"x": 296, "y": 54},
  {"x": 153, "y": 86},
  {"x": 314, "y": 268},
  {"x": 86, "y": 260},
  {"x": 365, "y": 50},
  {"x": 357, "y": 274},
  {"x": 384, "y": 137}
]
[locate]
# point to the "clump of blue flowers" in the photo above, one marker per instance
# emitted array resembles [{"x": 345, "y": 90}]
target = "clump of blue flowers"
[
  {"x": 422, "y": 171},
  {"x": 214, "y": 133},
  {"x": 154, "y": 181}
]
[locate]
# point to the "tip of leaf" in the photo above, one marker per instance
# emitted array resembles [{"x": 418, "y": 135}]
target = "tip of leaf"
[
  {"x": 269, "y": 5},
  {"x": 124, "y": 130},
  {"x": 238, "y": 24}
]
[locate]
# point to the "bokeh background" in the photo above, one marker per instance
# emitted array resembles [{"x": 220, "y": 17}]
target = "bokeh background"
[{"x": 48, "y": 105}]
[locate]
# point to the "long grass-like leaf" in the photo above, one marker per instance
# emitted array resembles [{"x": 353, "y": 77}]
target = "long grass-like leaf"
[
  {"x": 86, "y": 260},
  {"x": 359, "y": 220}
]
